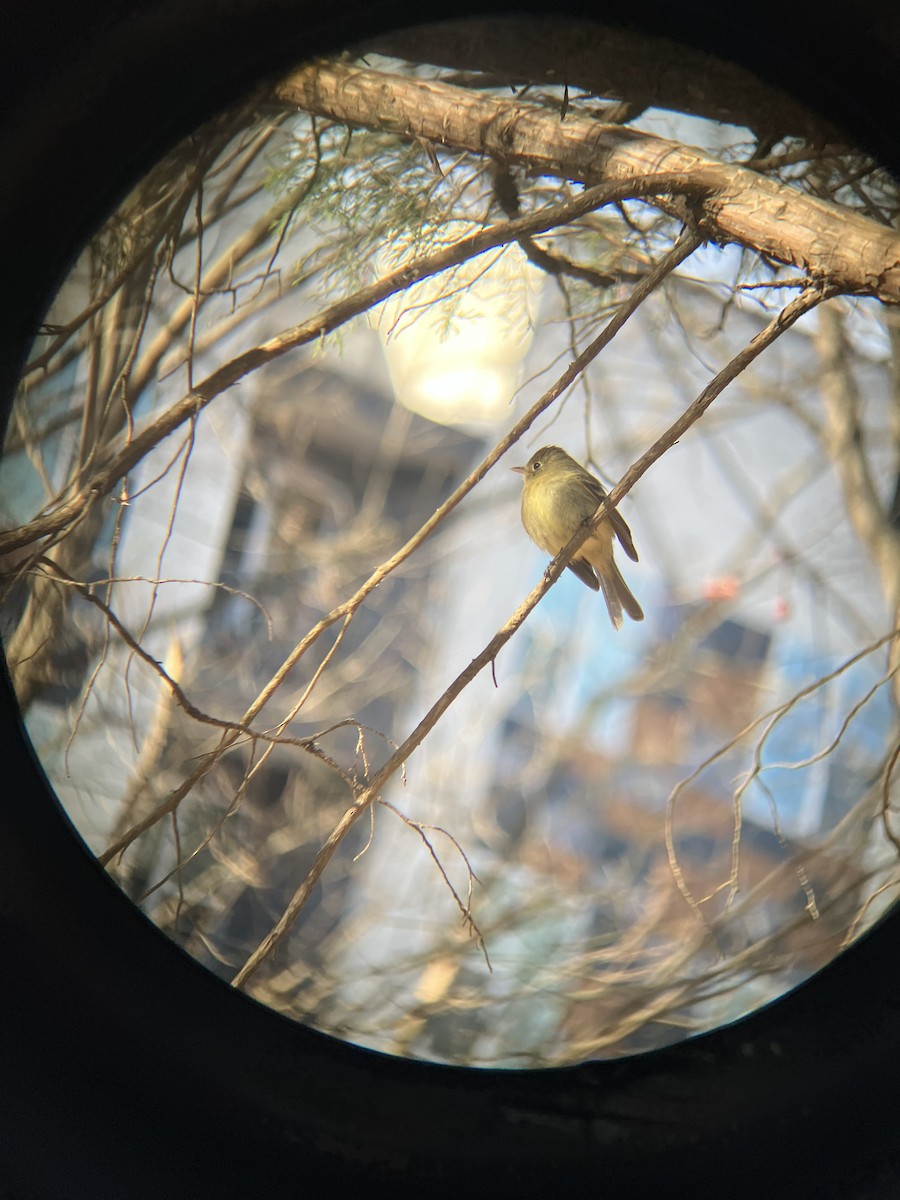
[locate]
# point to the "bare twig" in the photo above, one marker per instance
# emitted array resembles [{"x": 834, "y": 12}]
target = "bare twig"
[
  {"x": 774, "y": 329},
  {"x": 465, "y": 908},
  {"x": 770, "y": 719},
  {"x": 84, "y": 590},
  {"x": 348, "y": 608},
  {"x": 685, "y": 246},
  {"x": 329, "y": 319}
]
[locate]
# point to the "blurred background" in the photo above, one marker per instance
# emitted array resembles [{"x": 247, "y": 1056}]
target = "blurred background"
[{"x": 608, "y": 842}]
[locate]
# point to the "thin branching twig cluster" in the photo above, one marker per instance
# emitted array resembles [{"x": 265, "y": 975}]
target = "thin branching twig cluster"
[{"x": 246, "y": 717}]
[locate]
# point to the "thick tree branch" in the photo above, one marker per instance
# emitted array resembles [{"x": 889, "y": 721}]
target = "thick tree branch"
[
  {"x": 610, "y": 62},
  {"x": 733, "y": 204}
]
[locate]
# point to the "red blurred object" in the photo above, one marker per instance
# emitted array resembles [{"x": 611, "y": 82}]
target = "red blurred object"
[{"x": 723, "y": 587}]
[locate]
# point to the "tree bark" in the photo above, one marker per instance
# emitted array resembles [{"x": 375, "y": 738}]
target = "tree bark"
[
  {"x": 844, "y": 444},
  {"x": 648, "y": 72},
  {"x": 29, "y": 651},
  {"x": 869, "y": 513},
  {"x": 734, "y": 204}
]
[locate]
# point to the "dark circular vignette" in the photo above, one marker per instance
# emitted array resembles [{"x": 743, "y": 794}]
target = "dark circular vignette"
[{"x": 128, "y": 1070}]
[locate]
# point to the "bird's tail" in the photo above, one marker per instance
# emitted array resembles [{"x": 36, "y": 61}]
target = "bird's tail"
[{"x": 618, "y": 596}]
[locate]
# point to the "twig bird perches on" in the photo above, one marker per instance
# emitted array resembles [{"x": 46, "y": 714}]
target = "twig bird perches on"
[{"x": 558, "y": 495}]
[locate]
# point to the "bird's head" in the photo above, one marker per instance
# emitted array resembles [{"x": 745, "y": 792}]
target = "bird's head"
[{"x": 547, "y": 459}]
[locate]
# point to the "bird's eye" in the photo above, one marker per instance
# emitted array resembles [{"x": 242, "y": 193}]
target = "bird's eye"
[{"x": 535, "y": 466}]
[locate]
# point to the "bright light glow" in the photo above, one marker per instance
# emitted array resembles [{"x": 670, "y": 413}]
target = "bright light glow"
[{"x": 457, "y": 360}]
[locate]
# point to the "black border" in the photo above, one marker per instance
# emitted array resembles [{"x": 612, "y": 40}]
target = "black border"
[{"x": 128, "y": 1071}]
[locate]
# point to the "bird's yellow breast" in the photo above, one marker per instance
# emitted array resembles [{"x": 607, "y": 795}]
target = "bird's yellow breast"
[{"x": 552, "y": 511}]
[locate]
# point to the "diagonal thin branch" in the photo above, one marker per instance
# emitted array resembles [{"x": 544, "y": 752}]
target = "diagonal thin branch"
[
  {"x": 778, "y": 325},
  {"x": 329, "y": 319},
  {"x": 681, "y": 250},
  {"x": 178, "y": 693}
]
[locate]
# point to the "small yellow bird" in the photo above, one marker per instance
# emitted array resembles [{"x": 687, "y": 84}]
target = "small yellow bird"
[{"x": 559, "y": 495}]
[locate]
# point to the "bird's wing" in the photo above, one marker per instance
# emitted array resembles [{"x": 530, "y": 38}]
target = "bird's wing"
[
  {"x": 623, "y": 533},
  {"x": 585, "y": 573},
  {"x": 615, "y": 518}
]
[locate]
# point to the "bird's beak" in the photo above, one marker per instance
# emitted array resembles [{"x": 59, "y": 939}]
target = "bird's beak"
[{"x": 518, "y": 470}]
